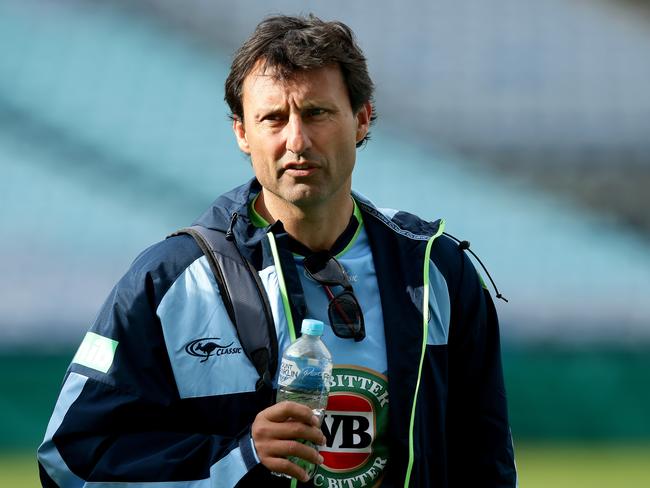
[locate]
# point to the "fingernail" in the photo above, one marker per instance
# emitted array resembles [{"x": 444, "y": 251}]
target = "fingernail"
[
  {"x": 321, "y": 459},
  {"x": 305, "y": 478},
  {"x": 315, "y": 421}
]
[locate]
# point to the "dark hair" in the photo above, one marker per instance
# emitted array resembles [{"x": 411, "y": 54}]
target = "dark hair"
[{"x": 289, "y": 45}]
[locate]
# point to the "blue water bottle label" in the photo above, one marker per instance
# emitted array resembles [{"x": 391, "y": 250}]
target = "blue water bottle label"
[{"x": 304, "y": 373}]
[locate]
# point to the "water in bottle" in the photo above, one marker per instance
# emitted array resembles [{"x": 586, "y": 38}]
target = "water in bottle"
[{"x": 305, "y": 376}]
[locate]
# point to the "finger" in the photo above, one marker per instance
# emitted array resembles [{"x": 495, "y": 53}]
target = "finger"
[
  {"x": 283, "y": 465},
  {"x": 289, "y": 430},
  {"x": 284, "y": 449},
  {"x": 290, "y": 410}
]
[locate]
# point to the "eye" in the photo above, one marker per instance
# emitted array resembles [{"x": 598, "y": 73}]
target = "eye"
[
  {"x": 273, "y": 118},
  {"x": 316, "y": 112}
]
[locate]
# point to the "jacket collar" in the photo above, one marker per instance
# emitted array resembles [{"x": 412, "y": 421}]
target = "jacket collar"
[{"x": 219, "y": 216}]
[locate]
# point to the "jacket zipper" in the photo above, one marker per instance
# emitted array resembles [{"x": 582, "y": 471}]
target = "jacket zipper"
[{"x": 425, "y": 335}]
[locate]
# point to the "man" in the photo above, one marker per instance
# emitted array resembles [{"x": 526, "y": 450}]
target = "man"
[{"x": 417, "y": 395}]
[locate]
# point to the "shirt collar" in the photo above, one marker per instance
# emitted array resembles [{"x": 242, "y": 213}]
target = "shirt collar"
[{"x": 342, "y": 243}]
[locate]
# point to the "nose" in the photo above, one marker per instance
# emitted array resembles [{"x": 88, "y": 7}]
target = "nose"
[{"x": 297, "y": 138}]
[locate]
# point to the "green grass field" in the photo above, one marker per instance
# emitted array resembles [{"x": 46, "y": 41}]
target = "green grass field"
[
  {"x": 606, "y": 466},
  {"x": 540, "y": 466}
]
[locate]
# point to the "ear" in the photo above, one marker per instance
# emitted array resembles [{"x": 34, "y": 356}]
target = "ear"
[
  {"x": 240, "y": 133},
  {"x": 363, "y": 120}
]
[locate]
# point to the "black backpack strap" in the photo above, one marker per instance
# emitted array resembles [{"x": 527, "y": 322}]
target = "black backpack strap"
[{"x": 244, "y": 297}]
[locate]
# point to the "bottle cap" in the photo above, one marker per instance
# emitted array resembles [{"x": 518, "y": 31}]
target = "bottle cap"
[{"x": 312, "y": 327}]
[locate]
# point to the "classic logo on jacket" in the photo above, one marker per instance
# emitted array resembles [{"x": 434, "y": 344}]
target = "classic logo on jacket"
[
  {"x": 355, "y": 424},
  {"x": 208, "y": 346}
]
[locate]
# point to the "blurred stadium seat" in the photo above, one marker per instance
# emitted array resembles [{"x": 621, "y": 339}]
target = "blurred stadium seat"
[{"x": 113, "y": 134}]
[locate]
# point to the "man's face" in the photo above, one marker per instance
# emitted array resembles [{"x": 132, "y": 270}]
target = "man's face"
[{"x": 301, "y": 135}]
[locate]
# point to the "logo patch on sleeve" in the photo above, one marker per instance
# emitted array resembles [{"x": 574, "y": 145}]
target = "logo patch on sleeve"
[{"x": 96, "y": 352}]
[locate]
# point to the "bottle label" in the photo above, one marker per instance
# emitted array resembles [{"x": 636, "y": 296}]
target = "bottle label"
[{"x": 304, "y": 373}]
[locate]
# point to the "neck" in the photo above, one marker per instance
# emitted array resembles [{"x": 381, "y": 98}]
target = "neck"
[{"x": 317, "y": 227}]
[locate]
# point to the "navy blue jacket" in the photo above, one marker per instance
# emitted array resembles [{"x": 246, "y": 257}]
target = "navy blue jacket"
[{"x": 141, "y": 405}]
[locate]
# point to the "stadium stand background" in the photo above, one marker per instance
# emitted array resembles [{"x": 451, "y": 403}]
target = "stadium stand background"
[{"x": 524, "y": 124}]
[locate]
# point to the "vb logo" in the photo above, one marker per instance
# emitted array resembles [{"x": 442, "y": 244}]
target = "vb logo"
[
  {"x": 345, "y": 431},
  {"x": 349, "y": 429}
]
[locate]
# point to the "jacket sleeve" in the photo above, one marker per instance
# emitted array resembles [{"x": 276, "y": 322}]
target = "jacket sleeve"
[
  {"x": 118, "y": 420},
  {"x": 479, "y": 438}
]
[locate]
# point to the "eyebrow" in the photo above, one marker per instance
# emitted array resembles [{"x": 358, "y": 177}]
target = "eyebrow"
[
  {"x": 281, "y": 110},
  {"x": 266, "y": 111}
]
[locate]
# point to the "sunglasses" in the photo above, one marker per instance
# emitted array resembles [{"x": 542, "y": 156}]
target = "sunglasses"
[{"x": 344, "y": 311}]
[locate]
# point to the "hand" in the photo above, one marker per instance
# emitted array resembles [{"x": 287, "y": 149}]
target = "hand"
[{"x": 276, "y": 431}]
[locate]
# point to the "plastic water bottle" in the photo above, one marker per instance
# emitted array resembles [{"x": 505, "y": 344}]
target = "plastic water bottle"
[{"x": 305, "y": 374}]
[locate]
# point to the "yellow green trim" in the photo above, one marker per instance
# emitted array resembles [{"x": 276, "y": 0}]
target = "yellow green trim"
[
  {"x": 425, "y": 333},
  {"x": 256, "y": 219},
  {"x": 357, "y": 213},
  {"x": 285, "y": 300},
  {"x": 283, "y": 286},
  {"x": 480, "y": 278}
]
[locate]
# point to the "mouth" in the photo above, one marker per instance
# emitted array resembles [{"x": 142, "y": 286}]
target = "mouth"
[{"x": 299, "y": 169}]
